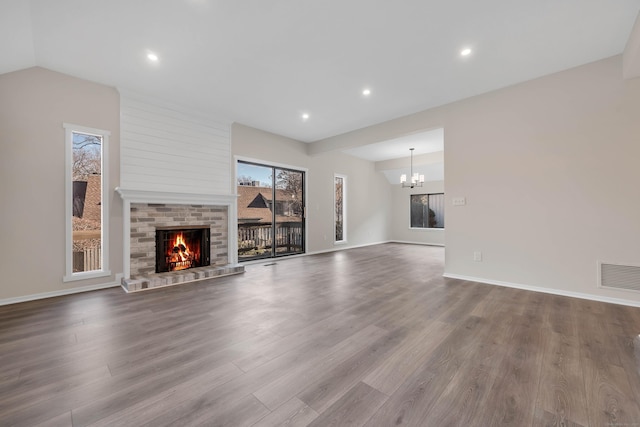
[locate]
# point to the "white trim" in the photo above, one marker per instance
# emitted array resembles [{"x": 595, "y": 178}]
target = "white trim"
[
  {"x": 418, "y": 243},
  {"x": 344, "y": 209},
  {"x": 266, "y": 163},
  {"x": 560, "y": 292},
  {"x": 426, "y": 229},
  {"x": 283, "y": 258},
  {"x": 70, "y": 129},
  {"x": 84, "y": 275},
  {"x": 344, "y": 248},
  {"x": 143, "y": 196},
  {"x": 62, "y": 292}
]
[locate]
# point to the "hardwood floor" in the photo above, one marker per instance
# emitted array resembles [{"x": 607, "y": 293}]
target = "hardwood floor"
[{"x": 364, "y": 337}]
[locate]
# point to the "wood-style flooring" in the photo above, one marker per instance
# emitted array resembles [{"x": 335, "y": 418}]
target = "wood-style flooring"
[{"x": 364, "y": 337}]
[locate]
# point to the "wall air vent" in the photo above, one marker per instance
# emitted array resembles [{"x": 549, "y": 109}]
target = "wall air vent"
[{"x": 619, "y": 276}]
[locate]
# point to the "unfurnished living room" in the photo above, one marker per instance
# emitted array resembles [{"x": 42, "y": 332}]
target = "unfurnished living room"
[{"x": 292, "y": 213}]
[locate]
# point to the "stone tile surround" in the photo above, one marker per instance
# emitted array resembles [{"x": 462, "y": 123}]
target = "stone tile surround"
[{"x": 145, "y": 217}]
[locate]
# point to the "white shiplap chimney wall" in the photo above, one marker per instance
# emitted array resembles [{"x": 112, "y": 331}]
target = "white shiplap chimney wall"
[{"x": 166, "y": 148}]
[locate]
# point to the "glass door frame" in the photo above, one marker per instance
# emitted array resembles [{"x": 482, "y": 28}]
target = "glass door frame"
[{"x": 274, "y": 166}]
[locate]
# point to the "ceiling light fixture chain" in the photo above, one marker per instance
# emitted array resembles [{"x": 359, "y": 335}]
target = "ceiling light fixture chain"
[{"x": 416, "y": 179}]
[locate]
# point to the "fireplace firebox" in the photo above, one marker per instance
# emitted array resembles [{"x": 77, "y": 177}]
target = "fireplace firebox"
[{"x": 179, "y": 248}]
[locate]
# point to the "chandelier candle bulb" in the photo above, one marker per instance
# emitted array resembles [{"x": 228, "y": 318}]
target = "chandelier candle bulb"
[{"x": 416, "y": 179}]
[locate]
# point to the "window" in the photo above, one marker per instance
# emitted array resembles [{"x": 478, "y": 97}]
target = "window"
[
  {"x": 340, "y": 211},
  {"x": 427, "y": 210},
  {"x": 270, "y": 211},
  {"x": 86, "y": 203}
]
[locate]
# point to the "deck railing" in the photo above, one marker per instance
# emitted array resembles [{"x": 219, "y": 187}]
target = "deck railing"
[{"x": 254, "y": 238}]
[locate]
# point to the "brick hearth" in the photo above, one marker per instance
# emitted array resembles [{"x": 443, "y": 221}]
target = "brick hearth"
[{"x": 144, "y": 211}]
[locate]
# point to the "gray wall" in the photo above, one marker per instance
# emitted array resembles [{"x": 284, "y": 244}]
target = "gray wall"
[
  {"x": 34, "y": 103},
  {"x": 550, "y": 171},
  {"x": 368, "y": 192},
  {"x": 400, "y": 216}
]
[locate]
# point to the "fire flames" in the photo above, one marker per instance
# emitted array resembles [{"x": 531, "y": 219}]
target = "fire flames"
[{"x": 180, "y": 256}]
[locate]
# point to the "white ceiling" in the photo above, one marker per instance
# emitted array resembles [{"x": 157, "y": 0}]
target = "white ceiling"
[
  {"x": 265, "y": 63},
  {"x": 422, "y": 143},
  {"x": 431, "y": 141}
]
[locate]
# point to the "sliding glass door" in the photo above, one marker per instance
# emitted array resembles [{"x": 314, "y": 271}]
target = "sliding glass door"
[{"x": 270, "y": 211}]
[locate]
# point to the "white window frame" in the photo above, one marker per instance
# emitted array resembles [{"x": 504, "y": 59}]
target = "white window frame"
[
  {"x": 344, "y": 209},
  {"x": 70, "y": 276}
]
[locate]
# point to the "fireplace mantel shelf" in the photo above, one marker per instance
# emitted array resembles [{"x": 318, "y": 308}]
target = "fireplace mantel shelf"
[{"x": 146, "y": 196}]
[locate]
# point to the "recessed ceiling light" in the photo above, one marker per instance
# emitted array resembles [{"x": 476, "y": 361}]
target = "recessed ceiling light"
[
  {"x": 465, "y": 52},
  {"x": 366, "y": 92},
  {"x": 305, "y": 116},
  {"x": 152, "y": 57}
]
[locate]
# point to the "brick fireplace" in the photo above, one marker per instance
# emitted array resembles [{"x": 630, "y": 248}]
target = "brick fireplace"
[{"x": 147, "y": 212}]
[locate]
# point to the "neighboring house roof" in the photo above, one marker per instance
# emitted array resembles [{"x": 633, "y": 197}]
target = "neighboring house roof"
[
  {"x": 93, "y": 198},
  {"x": 253, "y": 204},
  {"x": 87, "y": 198}
]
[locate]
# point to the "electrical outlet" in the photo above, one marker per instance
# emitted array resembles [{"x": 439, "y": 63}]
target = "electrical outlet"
[{"x": 477, "y": 256}]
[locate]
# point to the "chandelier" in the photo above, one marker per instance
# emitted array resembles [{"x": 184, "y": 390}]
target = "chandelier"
[{"x": 416, "y": 180}]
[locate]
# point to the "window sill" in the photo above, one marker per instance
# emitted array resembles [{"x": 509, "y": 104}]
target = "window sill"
[
  {"x": 86, "y": 275},
  {"x": 340, "y": 242},
  {"x": 426, "y": 229}
]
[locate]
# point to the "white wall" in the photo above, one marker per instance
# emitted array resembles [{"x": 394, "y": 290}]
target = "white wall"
[
  {"x": 368, "y": 192},
  {"x": 34, "y": 104},
  {"x": 401, "y": 211},
  {"x": 550, "y": 172},
  {"x": 169, "y": 148}
]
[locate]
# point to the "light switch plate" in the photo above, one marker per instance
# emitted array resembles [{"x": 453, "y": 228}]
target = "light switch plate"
[{"x": 459, "y": 201}]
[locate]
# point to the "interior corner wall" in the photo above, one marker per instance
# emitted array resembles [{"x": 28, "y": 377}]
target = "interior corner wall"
[
  {"x": 368, "y": 191},
  {"x": 34, "y": 104},
  {"x": 401, "y": 216},
  {"x": 549, "y": 170}
]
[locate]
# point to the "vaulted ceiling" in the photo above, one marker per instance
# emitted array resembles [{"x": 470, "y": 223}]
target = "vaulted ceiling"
[{"x": 266, "y": 63}]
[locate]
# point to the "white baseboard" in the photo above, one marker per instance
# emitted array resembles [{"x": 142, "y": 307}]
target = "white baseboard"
[
  {"x": 341, "y": 247},
  {"x": 337, "y": 248},
  {"x": 441, "y": 245},
  {"x": 560, "y": 292},
  {"x": 62, "y": 292}
]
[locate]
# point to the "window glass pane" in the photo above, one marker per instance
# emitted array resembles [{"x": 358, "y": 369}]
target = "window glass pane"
[
  {"x": 436, "y": 206},
  {"x": 87, "y": 202},
  {"x": 255, "y": 211},
  {"x": 419, "y": 210},
  {"x": 427, "y": 210},
  {"x": 289, "y": 211},
  {"x": 339, "y": 208}
]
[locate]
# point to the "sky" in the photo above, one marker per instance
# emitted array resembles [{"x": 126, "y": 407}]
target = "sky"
[{"x": 257, "y": 173}]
